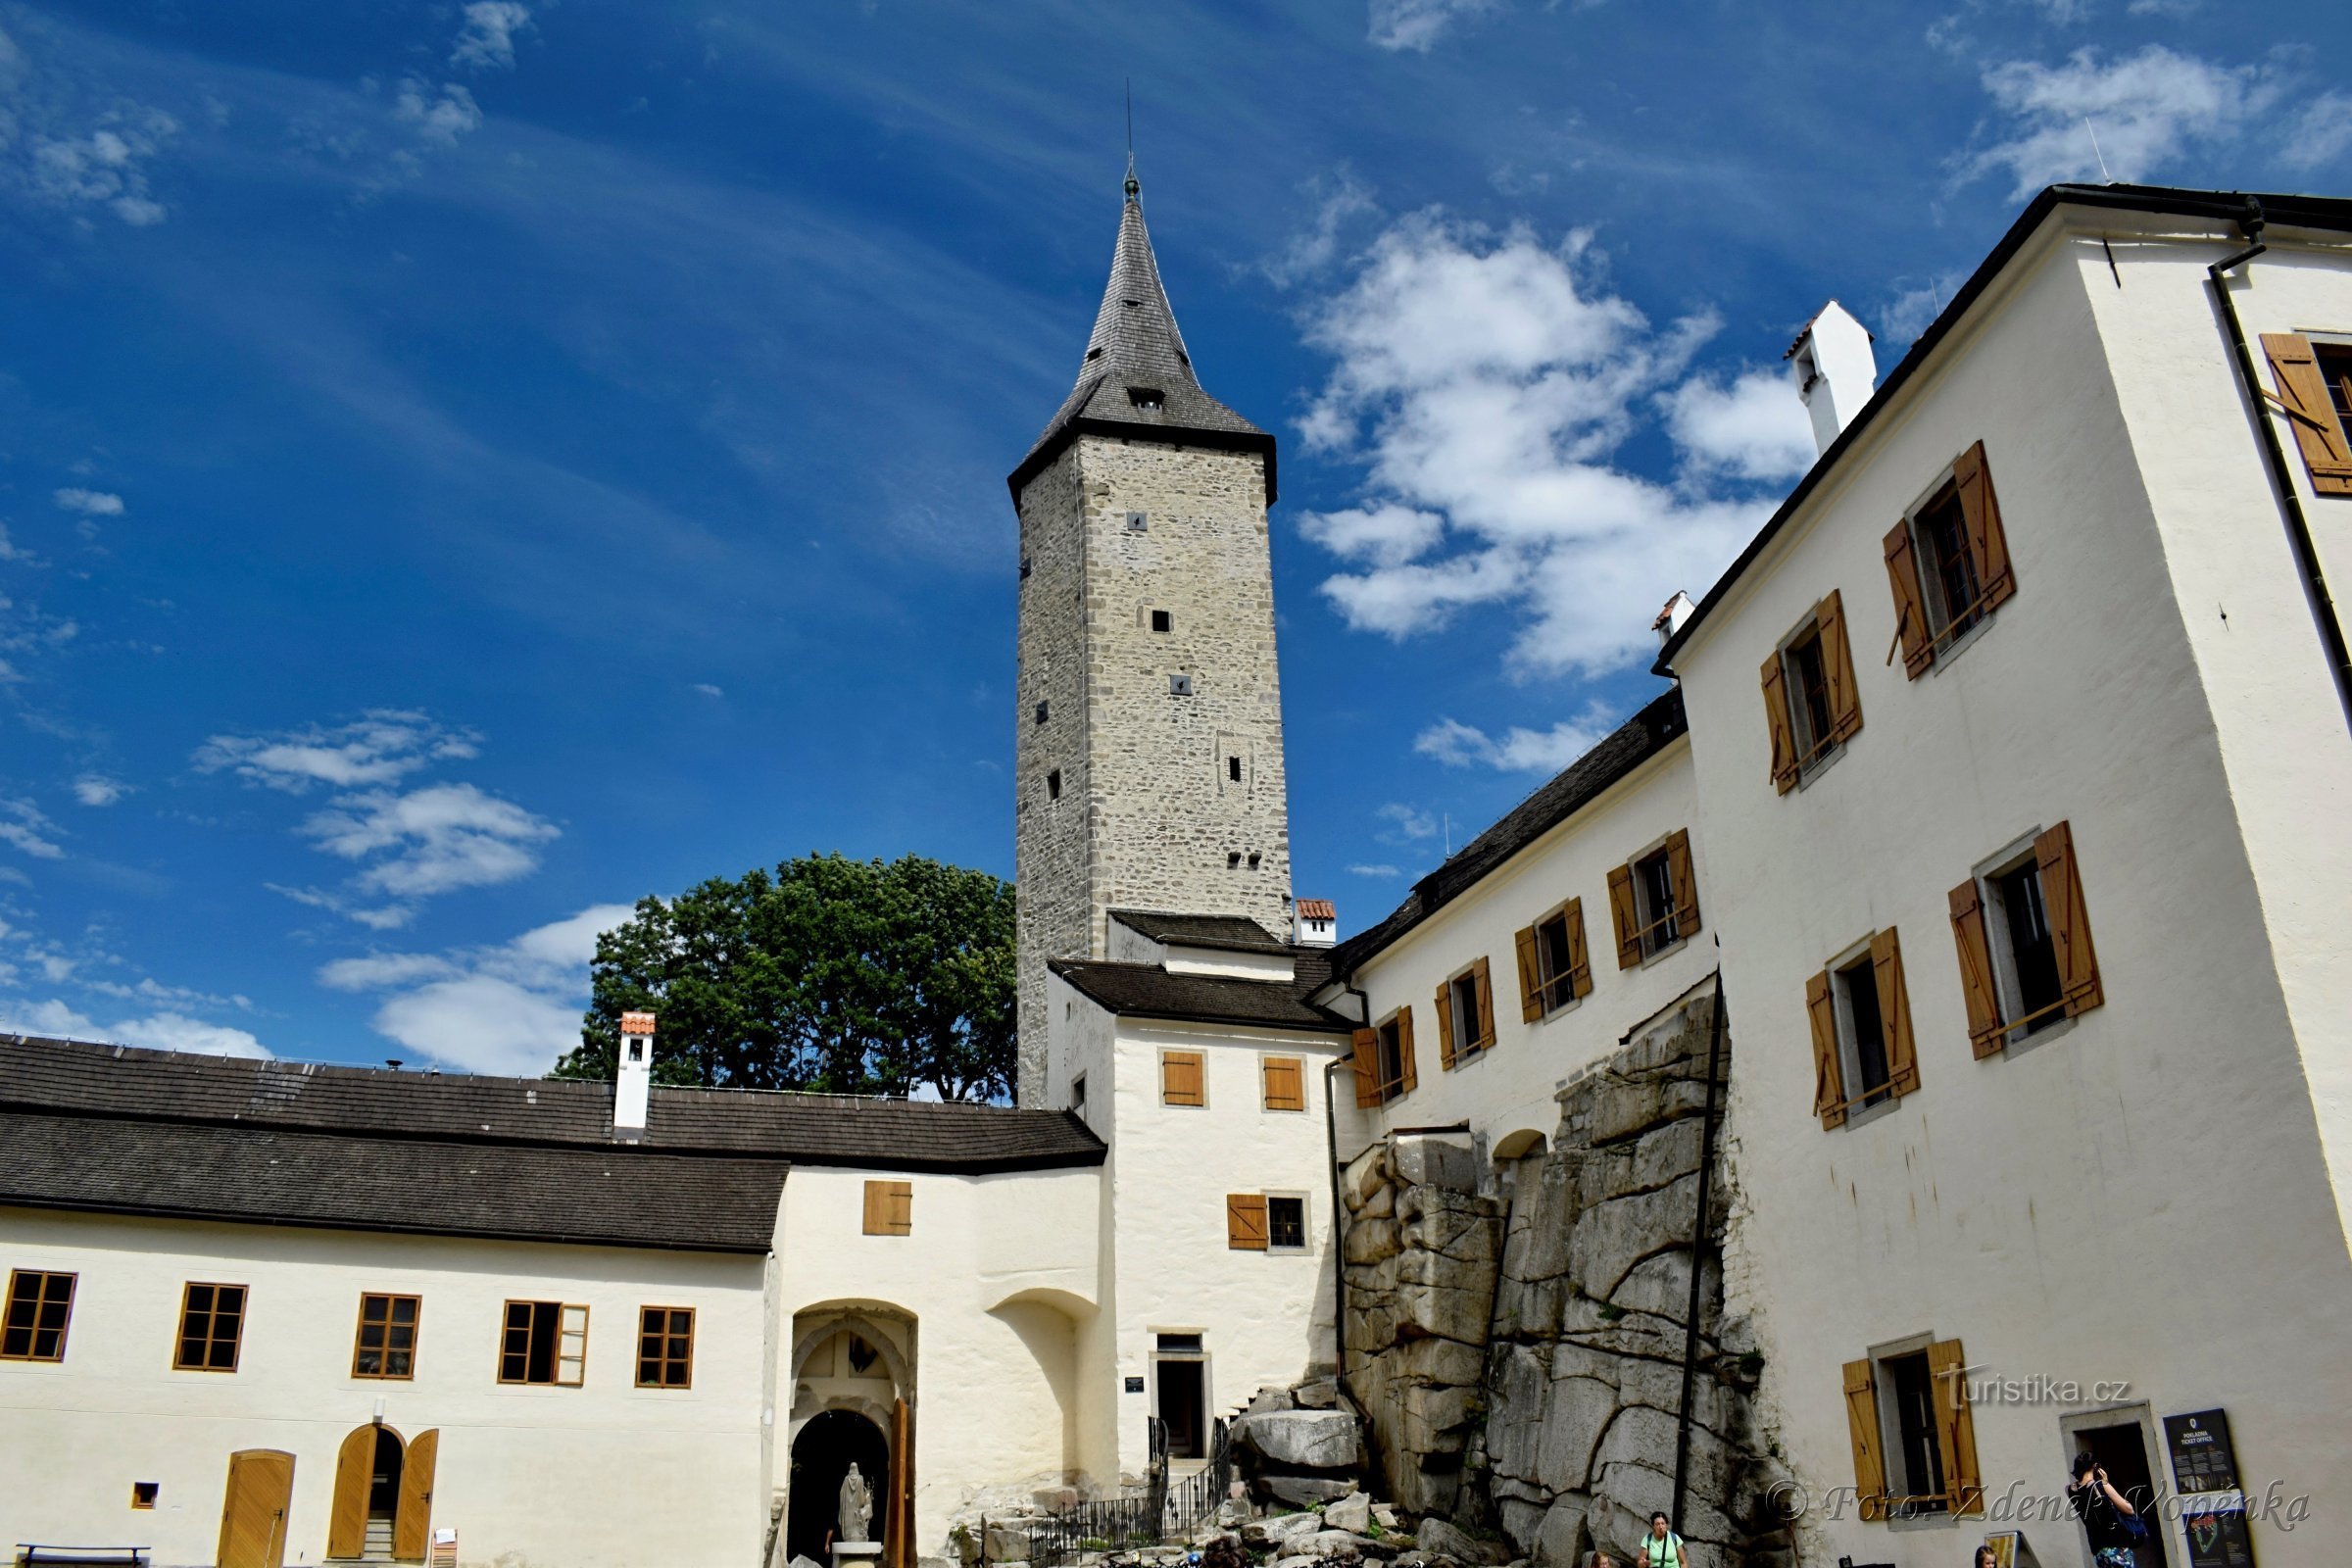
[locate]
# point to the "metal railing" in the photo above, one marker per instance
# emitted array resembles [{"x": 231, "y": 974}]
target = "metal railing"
[{"x": 1162, "y": 1510}]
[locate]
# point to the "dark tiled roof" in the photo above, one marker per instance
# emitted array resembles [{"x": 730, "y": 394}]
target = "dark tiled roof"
[
  {"x": 1147, "y": 991},
  {"x": 1135, "y": 345},
  {"x": 369, "y": 1101},
  {"x": 612, "y": 1196},
  {"x": 1635, "y": 742},
  {"x": 1201, "y": 930}
]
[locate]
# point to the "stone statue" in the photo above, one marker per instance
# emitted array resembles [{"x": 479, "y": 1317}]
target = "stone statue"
[{"x": 857, "y": 1508}]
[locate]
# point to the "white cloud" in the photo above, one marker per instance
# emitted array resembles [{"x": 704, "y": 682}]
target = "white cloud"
[
  {"x": 1755, "y": 428},
  {"x": 91, "y": 503},
  {"x": 706, "y": 689},
  {"x": 438, "y": 118},
  {"x": 2321, "y": 134},
  {"x": 1912, "y": 311},
  {"x": 1338, "y": 197},
  {"x": 8, "y": 552},
  {"x": 487, "y": 41},
  {"x": 25, "y": 827},
  {"x": 1418, "y": 23},
  {"x": 431, "y": 839},
  {"x": 382, "y": 747},
  {"x": 162, "y": 1031},
  {"x": 96, "y": 789},
  {"x": 100, "y": 166},
  {"x": 2164, "y": 8},
  {"x": 1406, "y": 823},
  {"x": 1517, "y": 749},
  {"x": 510, "y": 1008},
  {"x": 2147, "y": 110},
  {"x": 1483, "y": 382},
  {"x": 1373, "y": 871}
]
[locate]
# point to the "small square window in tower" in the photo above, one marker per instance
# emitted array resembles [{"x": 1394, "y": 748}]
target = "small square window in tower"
[
  {"x": 1027, "y": 566},
  {"x": 1180, "y": 685},
  {"x": 1163, "y": 621},
  {"x": 1053, "y": 785},
  {"x": 1149, "y": 398},
  {"x": 1041, "y": 712},
  {"x": 1233, "y": 769},
  {"x": 1139, "y": 521}
]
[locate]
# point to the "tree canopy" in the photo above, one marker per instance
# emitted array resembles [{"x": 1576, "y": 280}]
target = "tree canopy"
[{"x": 830, "y": 974}]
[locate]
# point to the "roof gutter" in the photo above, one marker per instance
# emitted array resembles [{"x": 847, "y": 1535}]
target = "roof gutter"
[{"x": 2324, "y": 613}]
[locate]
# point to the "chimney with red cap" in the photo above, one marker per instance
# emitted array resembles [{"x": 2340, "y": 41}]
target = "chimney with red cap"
[{"x": 634, "y": 1090}]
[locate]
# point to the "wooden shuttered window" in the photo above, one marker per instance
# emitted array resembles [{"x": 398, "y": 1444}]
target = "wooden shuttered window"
[
  {"x": 1794, "y": 749},
  {"x": 1779, "y": 726},
  {"x": 1285, "y": 1083},
  {"x": 1444, "y": 1009},
  {"x": 1450, "y": 1044},
  {"x": 1911, "y": 634},
  {"x": 1894, "y": 1014},
  {"x": 890, "y": 1208},
  {"x": 1686, "y": 883},
  {"x": 1955, "y": 1428},
  {"x": 1985, "y": 1035},
  {"x": 1862, "y": 1427},
  {"x": 2303, "y": 397},
  {"x": 1625, "y": 916},
  {"x": 1838, "y": 668},
  {"x": 1579, "y": 963},
  {"x": 1531, "y": 976},
  {"x": 1407, "y": 1079},
  {"x": 2070, "y": 919},
  {"x": 1484, "y": 978},
  {"x": 1367, "y": 1069},
  {"x": 1554, "y": 969},
  {"x": 1180, "y": 1078},
  {"x": 1988, "y": 545},
  {"x": 1246, "y": 1221},
  {"x": 1829, "y": 1076}
]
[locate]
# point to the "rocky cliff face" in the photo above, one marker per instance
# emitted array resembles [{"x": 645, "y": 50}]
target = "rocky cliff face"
[{"x": 1517, "y": 1338}]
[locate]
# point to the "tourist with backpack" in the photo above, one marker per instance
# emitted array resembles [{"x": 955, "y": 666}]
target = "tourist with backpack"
[
  {"x": 2113, "y": 1526},
  {"x": 1662, "y": 1547}
]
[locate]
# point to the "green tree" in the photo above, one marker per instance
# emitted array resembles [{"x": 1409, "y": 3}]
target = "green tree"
[{"x": 830, "y": 974}]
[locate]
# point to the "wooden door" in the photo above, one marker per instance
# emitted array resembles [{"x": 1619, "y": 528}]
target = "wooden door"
[
  {"x": 411, "y": 1526},
  {"x": 901, "y": 1526},
  {"x": 253, "y": 1519},
  {"x": 355, "y": 1469}
]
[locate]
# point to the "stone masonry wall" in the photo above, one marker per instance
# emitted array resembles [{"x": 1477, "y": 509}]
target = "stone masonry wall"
[
  {"x": 1150, "y": 816},
  {"x": 1555, "y": 1422}
]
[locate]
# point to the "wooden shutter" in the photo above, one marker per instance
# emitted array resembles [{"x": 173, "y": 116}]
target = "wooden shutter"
[
  {"x": 1910, "y": 608},
  {"x": 412, "y": 1524},
  {"x": 1530, "y": 977},
  {"x": 2069, "y": 920},
  {"x": 1895, "y": 1012},
  {"x": 354, "y": 1470},
  {"x": 1828, "y": 1075},
  {"x": 1626, "y": 916},
  {"x": 1407, "y": 1079},
  {"x": 1246, "y": 1221},
  {"x": 1984, "y": 1032},
  {"x": 1838, "y": 668},
  {"x": 1445, "y": 1025},
  {"x": 1180, "y": 1078},
  {"x": 1580, "y": 963},
  {"x": 1686, "y": 883},
  {"x": 1367, "y": 1069},
  {"x": 1862, "y": 1425},
  {"x": 1955, "y": 1428},
  {"x": 890, "y": 1208},
  {"x": 1981, "y": 512},
  {"x": 1778, "y": 725},
  {"x": 1483, "y": 981},
  {"x": 897, "y": 1539},
  {"x": 1286, "y": 1083},
  {"x": 2303, "y": 396}
]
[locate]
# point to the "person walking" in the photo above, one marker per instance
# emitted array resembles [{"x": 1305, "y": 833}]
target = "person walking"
[
  {"x": 2108, "y": 1518},
  {"x": 1662, "y": 1547}
]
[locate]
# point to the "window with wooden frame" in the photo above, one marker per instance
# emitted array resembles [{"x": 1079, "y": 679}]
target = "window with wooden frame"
[
  {"x": 666, "y": 1346},
  {"x": 1554, "y": 970},
  {"x": 890, "y": 1208},
  {"x": 1465, "y": 1007},
  {"x": 2023, "y": 930},
  {"x": 211, "y": 1326},
  {"x": 1265, "y": 1222},
  {"x": 1863, "y": 1052},
  {"x": 1653, "y": 901},
  {"x": 1286, "y": 1222},
  {"x": 40, "y": 1309},
  {"x": 544, "y": 1343},
  {"x": 1913, "y": 1436},
  {"x": 1384, "y": 1059},
  {"x": 1810, "y": 704},
  {"x": 1285, "y": 1081},
  {"x": 1947, "y": 564},
  {"x": 2315, "y": 393},
  {"x": 1183, "y": 1078},
  {"x": 385, "y": 1344}
]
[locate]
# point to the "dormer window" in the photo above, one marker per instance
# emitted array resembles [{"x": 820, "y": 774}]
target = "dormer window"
[
  {"x": 1093, "y": 355},
  {"x": 1150, "y": 398}
]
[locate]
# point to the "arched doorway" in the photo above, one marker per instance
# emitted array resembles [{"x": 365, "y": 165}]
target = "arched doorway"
[
  {"x": 383, "y": 1494},
  {"x": 828, "y": 1443}
]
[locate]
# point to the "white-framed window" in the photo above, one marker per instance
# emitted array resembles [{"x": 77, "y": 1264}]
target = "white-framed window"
[{"x": 1286, "y": 1222}]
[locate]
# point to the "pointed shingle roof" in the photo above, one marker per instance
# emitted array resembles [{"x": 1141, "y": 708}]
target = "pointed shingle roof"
[{"x": 1137, "y": 378}]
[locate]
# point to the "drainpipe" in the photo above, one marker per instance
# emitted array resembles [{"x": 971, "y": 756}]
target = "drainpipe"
[
  {"x": 1338, "y": 1229},
  {"x": 1698, "y": 1237},
  {"x": 2282, "y": 477}
]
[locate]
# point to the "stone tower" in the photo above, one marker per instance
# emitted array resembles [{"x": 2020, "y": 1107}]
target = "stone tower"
[{"x": 1148, "y": 771}]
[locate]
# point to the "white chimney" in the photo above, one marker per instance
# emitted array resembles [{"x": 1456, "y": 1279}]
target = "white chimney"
[
  {"x": 634, "y": 1090},
  {"x": 1835, "y": 371},
  {"x": 1314, "y": 923},
  {"x": 1670, "y": 619}
]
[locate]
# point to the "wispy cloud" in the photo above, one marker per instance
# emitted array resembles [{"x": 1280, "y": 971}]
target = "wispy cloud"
[
  {"x": 1517, "y": 749},
  {"x": 1419, "y": 23},
  {"x": 72, "y": 151},
  {"x": 2149, "y": 110},
  {"x": 2321, "y": 134},
  {"x": 96, "y": 789},
  {"x": 381, "y": 746},
  {"x": 1382, "y": 871},
  {"x": 91, "y": 503},
  {"x": 510, "y": 1008},
  {"x": 1337, "y": 198},
  {"x": 487, "y": 41},
  {"x": 1405, "y": 825},
  {"x": 430, "y": 840},
  {"x": 160, "y": 1031},
  {"x": 23, "y": 827}
]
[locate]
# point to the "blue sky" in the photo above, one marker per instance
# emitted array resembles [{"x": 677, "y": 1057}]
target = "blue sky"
[{"x": 466, "y": 465}]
